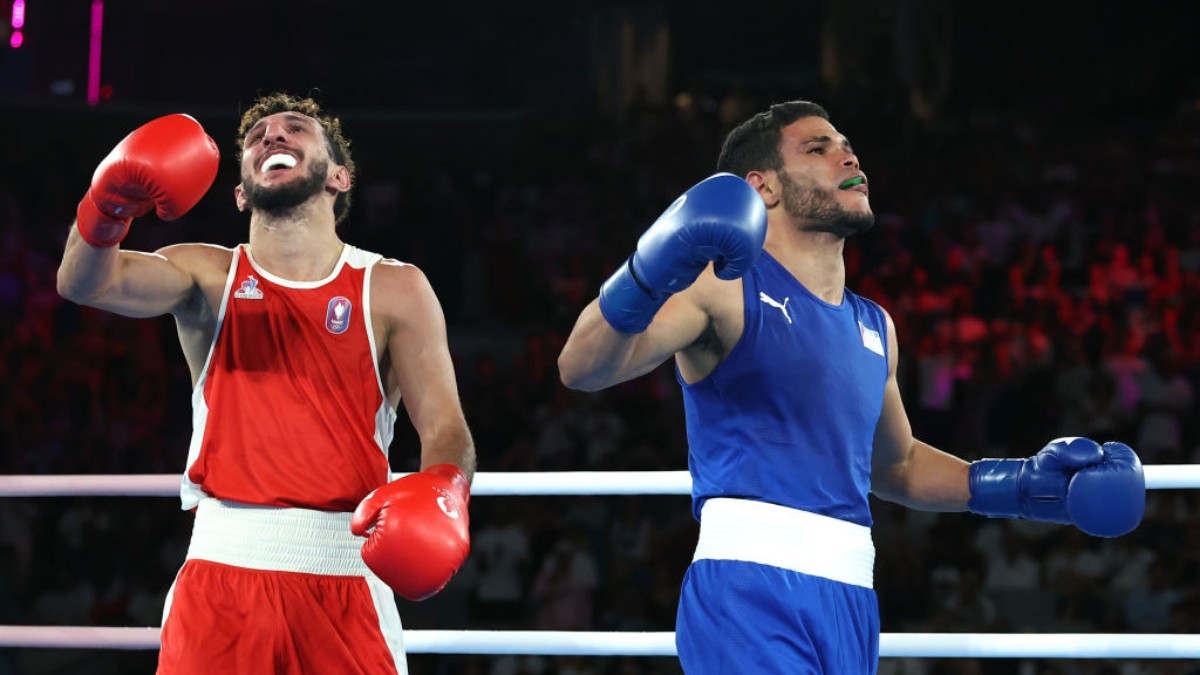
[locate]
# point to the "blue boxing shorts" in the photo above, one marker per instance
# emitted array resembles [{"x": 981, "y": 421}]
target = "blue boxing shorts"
[{"x": 777, "y": 591}]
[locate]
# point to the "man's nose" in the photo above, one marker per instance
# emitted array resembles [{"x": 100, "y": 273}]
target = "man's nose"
[{"x": 273, "y": 132}]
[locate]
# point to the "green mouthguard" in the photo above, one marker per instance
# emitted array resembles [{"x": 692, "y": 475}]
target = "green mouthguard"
[{"x": 857, "y": 180}]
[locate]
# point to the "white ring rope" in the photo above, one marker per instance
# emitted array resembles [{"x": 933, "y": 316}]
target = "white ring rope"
[
  {"x": 945, "y": 645},
  {"x": 936, "y": 645},
  {"x": 1158, "y": 477}
]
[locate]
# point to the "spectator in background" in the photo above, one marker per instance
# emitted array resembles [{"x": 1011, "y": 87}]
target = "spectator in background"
[
  {"x": 1166, "y": 397},
  {"x": 500, "y": 556},
  {"x": 562, "y": 590}
]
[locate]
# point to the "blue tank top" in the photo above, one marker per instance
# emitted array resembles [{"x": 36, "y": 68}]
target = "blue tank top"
[{"x": 789, "y": 416}]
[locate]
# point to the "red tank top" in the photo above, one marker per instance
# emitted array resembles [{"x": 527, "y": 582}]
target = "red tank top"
[{"x": 290, "y": 410}]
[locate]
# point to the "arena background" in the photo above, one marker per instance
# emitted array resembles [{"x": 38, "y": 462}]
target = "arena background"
[{"x": 1034, "y": 171}]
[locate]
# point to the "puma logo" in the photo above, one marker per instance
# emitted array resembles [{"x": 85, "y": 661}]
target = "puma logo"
[{"x": 776, "y": 304}]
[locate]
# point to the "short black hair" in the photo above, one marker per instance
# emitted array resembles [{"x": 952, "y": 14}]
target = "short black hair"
[{"x": 754, "y": 144}]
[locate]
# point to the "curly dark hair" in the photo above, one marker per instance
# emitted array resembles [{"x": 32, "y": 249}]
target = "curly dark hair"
[
  {"x": 754, "y": 144},
  {"x": 339, "y": 145}
]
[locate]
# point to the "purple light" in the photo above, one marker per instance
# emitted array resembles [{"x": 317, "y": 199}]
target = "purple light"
[
  {"x": 93, "y": 87},
  {"x": 18, "y": 14},
  {"x": 16, "y": 39}
]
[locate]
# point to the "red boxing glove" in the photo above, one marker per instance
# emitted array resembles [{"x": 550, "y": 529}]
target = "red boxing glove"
[
  {"x": 166, "y": 164},
  {"x": 417, "y": 530}
]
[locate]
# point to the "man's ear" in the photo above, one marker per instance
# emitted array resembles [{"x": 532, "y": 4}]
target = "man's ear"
[
  {"x": 766, "y": 183},
  {"x": 239, "y": 198},
  {"x": 338, "y": 180}
]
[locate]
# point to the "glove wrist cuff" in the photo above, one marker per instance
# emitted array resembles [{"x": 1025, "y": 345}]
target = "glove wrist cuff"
[
  {"x": 625, "y": 303},
  {"x": 995, "y": 488},
  {"x": 96, "y": 228},
  {"x": 455, "y": 476}
]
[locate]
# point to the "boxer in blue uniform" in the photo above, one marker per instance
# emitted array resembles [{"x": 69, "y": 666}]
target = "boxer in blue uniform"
[{"x": 793, "y": 411}]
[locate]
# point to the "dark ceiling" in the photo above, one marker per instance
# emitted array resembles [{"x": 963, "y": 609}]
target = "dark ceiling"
[{"x": 521, "y": 54}]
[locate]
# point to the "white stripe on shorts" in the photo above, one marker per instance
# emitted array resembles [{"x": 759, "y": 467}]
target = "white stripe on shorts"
[{"x": 769, "y": 534}]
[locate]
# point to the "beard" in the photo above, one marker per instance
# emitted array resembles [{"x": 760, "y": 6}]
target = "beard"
[
  {"x": 811, "y": 203},
  {"x": 278, "y": 199}
]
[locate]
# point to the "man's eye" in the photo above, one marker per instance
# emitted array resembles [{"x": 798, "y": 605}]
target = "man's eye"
[{"x": 816, "y": 151}]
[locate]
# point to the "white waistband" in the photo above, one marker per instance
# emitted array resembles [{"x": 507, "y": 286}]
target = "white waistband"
[
  {"x": 273, "y": 538},
  {"x": 769, "y": 534}
]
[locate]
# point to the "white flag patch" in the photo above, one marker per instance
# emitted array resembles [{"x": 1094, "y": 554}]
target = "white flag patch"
[{"x": 871, "y": 339}]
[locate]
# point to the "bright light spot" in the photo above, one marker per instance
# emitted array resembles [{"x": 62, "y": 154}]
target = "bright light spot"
[
  {"x": 18, "y": 14},
  {"x": 93, "y": 85},
  {"x": 16, "y": 39}
]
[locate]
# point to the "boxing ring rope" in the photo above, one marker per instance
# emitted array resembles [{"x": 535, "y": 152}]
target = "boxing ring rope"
[
  {"x": 541, "y": 483},
  {"x": 936, "y": 645},
  {"x": 594, "y": 643}
]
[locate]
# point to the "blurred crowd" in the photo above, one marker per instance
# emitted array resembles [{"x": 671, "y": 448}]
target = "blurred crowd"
[{"x": 1043, "y": 273}]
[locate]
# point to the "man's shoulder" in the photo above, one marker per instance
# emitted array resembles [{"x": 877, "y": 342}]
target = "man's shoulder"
[
  {"x": 391, "y": 272},
  {"x": 866, "y": 302},
  {"x": 198, "y": 255},
  {"x": 401, "y": 290}
]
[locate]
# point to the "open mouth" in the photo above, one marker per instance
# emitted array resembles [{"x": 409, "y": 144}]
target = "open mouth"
[
  {"x": 278, "y": 160},
  {"x": 853, "y": 183}
]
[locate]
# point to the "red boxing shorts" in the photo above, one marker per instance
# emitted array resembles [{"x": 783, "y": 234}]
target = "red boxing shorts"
[{"x": 269, "y": 590}]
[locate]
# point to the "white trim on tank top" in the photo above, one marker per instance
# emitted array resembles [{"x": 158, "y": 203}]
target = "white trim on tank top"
[{"x": 288, "y": 283}]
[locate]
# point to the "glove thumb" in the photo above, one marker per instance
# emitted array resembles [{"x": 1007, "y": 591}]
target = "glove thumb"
[{"x": 363, "y": 520}]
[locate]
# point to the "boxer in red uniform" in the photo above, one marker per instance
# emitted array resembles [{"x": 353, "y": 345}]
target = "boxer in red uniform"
[{"x": 300, "y": 347}]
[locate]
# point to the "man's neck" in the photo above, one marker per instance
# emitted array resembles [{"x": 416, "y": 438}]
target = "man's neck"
[
  {"x": 299, "y": 246},
  {"x": 814, "y": 258}
]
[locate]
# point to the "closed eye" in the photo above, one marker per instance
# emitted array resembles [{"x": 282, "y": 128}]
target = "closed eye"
[{"x": 819, "y": 145}]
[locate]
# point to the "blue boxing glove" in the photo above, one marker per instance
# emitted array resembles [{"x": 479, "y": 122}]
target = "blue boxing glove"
[
  {"x": 1108, "y": 499},
  {"x": 721, "y": 218},
  {"x": 1100, "y": 490}
]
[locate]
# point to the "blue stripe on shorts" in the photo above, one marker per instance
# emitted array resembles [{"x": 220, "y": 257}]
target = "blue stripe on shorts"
[{"x": 743, "y": 617}]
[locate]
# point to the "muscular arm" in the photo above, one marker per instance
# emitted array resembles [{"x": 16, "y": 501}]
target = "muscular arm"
[
  {"x": 420, "y": 365},
  {"x": 165, "y": 165},
  {"x": 597, "y": 356},
  {"x": 130, "y": 283},
  {"x": 905, "y": 470},
  {"x": 650, "y": 307}
]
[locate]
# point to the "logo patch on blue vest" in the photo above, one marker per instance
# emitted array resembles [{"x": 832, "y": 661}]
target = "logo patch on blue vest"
[{"x": 871, "y": 339}]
